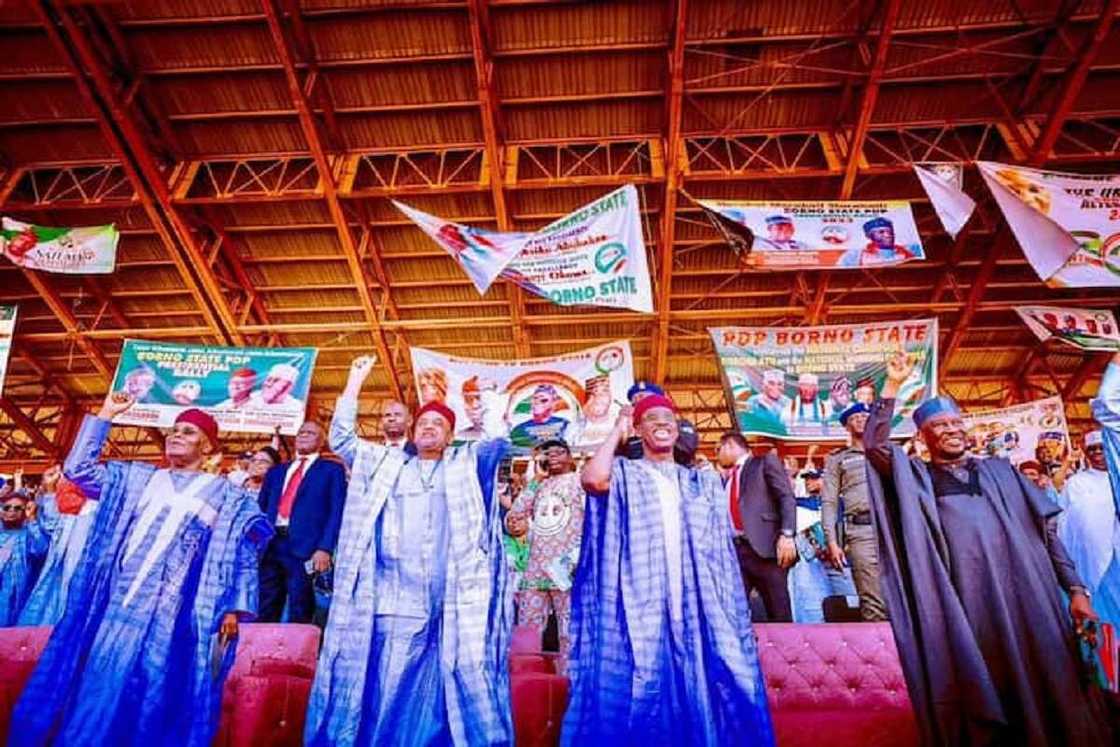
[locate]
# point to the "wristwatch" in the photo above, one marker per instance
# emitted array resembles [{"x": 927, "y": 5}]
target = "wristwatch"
[
  {"x": 1080, "y": 590},
  {"x": 787, "y": 533}
]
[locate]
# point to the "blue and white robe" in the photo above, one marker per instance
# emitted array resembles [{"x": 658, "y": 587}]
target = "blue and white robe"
[
  {"x": 416, "y": 646},
  {"x": 1091, "y": 530},
  {"x": 67, "y": 534},
  {"x": 21, "y": 552},
  {"x": 135, "y": 659}
]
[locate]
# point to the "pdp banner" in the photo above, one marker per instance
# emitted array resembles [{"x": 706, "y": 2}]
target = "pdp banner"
[
  {"x": 7, "y": 331},
  {"x": 1015, "y": 432},
  {"x": 1086, "y": 329},
  {"x": 250, "y": 390},
  {"x": 594, "y": 256},
  {"x": 1067, "y": 224},
  {"x": 576, "y": 396},
  {"x": 90, "y": 250},
  {"x": 808, "y": 235},
  {"x": 794, "y": 382}
]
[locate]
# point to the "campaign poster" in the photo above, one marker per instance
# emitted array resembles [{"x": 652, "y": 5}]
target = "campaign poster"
[
  {"x": 1014, "y": 432},
  {"x": 89, "y": 250},
  {"x": 248, "y": 390},
  {"x": 576, "y": 396},
  {"x": 943, "y": 182},
  {"x": 819, "y": 235},
  {"x": 794, "y": 382},
  {"x": 1068, "y": 225},
  {"x": 1085, "y": 329},
  {"x": 7, "y": 331},
  {"x": 593, "y": 256}
]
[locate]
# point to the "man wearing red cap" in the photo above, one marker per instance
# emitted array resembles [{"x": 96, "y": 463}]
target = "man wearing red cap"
[
  {"x": 415, "y": 646},
  {"x": 662, "y": 646},
  {"x": 168, "y": 571}
]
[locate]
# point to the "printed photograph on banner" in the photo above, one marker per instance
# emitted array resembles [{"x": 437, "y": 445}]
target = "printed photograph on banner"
[
  {"x": 1068, "y": 225},
  {"x": 594, "y": 256},
  {"x": 576, "y": 396},
  {"x": 794, "y": 382},
  {"x": 1086, "y": 329},
  {"x": 1030, "y": 431},
  {"x": 248, "y": 390},
  {"x": 90, "y": 250},
  {"x": 825, "y": 235},
  {"x": 7, "y": 332}
]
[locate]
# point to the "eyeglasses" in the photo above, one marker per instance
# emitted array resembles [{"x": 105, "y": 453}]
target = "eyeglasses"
[{"x": 12, "y": 507}]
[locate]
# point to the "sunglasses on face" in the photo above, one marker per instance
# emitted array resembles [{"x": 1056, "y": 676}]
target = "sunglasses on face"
[{"x": 12, "y": 507}]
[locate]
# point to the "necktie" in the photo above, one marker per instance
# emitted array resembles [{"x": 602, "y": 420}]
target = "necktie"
[
  {"x": 289, "y": 496},
  {"x": 736, "y": 514}
]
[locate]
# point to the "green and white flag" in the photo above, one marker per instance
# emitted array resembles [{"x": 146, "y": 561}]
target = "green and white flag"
[{"x": 86, "y": 250}]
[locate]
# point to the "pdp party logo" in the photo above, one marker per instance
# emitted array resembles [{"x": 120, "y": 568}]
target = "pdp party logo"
[
  {"x": 611, "y": 258},
  {"x": 609, "y": 359}
]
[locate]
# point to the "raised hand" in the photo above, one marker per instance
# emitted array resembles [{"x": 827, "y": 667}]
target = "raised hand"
[
  {"x": 360, "y": 370},
  {"x": 624, "y": 423},
  {"x": 900, "y": 366},
  {"x": 115, "y": 403}
]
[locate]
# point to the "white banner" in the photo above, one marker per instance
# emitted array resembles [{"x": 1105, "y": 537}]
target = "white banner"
[
  {"x": 944, "y": 185},
  {"x": 1086, "y": 329},
  {"x": 806, "y": 235},
  {"x": 7, "y": 332},
  {"x": 593, "y": 256},
  {"x": 1014, "y": 432},
  {"x": 88, "y": 250},
  {"x": 576, "y": 396},
  {"x": 1067, "y": 224}
]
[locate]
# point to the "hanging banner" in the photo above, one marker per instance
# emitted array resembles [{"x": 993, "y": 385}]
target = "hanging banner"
[
  {"x": 482, "y": 254},
  {"x": 943, "y": 182},
  {"x": 1014, "y": 432},
  {"x": 250, "y": 390},
  {"x": 1087, "y": 329},
  {"x": 576, "y": 396},
  {"x": 91, "y": 250},
  {"x": 1068, "y": 225},
  {"x": 794, "y": 382},
  {"x": 7, "y": 332},
  {"x": 823, "y": 235},
  {"x": 594, "y": 256}
]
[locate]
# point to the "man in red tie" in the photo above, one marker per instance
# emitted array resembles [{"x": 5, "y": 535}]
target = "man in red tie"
[
  {"x": 303, "y": 498},
  {"x": 764, "y": 516}
]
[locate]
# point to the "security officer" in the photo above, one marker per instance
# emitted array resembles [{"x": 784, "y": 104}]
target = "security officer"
[{"x": 845, "y": 476}]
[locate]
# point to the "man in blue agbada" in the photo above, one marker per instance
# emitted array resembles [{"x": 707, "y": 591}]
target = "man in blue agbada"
[
  {"x": 66, "y": 517},
  {"x": 23, "y": 543},
  {"x": 662, "y": 646},
  {"x": 168, "y": 571},
  {"x": 415, "y": 649}
]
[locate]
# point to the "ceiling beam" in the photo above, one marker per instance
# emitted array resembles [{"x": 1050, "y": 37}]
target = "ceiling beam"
[
  {"x": 330, "y": 193},
  {"x": 492, "y": 132},
  {"x": 1070, "y": 89},
  {"x": 29, "y": 427},
  {"x": 667, "y": 233},
  {"x": 140, "y": 164},
  {"x": 817, "y": 310}
]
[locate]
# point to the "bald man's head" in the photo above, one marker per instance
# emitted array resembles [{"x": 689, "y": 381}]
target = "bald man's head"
[{"x": 395, "y": 420}]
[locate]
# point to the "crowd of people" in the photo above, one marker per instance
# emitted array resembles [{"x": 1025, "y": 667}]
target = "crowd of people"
[{"x": 417, "y": 552}]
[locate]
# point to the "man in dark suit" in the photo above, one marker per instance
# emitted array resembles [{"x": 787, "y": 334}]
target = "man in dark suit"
[
  {"x": 764, "y": 516},
  {"x": 303, "y": 498}
]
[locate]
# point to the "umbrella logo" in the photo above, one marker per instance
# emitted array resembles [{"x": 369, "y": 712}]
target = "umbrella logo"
[{"x": 610, "y": 258}]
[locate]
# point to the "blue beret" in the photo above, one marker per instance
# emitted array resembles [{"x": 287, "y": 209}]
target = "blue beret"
[
  {"x": 643, "y": 387},
  {"x": 854, "y": 409},
  {"x": 812, "y": 474},
  {"x": 874, "y": 223},
  {"x": 775, "y": 220},
  {"x": 933, "y": 407}
]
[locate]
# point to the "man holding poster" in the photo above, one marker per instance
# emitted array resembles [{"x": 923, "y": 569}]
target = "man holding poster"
[{"x": 416, "y": 643}]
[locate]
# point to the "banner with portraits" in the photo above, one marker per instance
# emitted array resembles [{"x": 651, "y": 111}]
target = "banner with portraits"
[
  {"x": 576, "y": 396},
  {"x": 1085, "y": 329},
  {"x": 593, "y": 256},
  {"x": 1067, "y": 224},
  {"x": 7, "y": 332},
  {"x": 794, "y": 382},
  {"x": 86, "y": 250},
  {"x": 1015, "y": 432},
  {"x": 249, "y": 390},
  {"x": 943, "y": 182},
  {"x": 818, "y": 235}
]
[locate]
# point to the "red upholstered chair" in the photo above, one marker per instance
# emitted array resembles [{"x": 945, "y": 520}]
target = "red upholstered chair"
[
  {"x": 266, "y": 693},
  {"x": 836, "y": 684},
  {"x": 19, "y": 650},
  {"x": 539, "y": 701}
]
